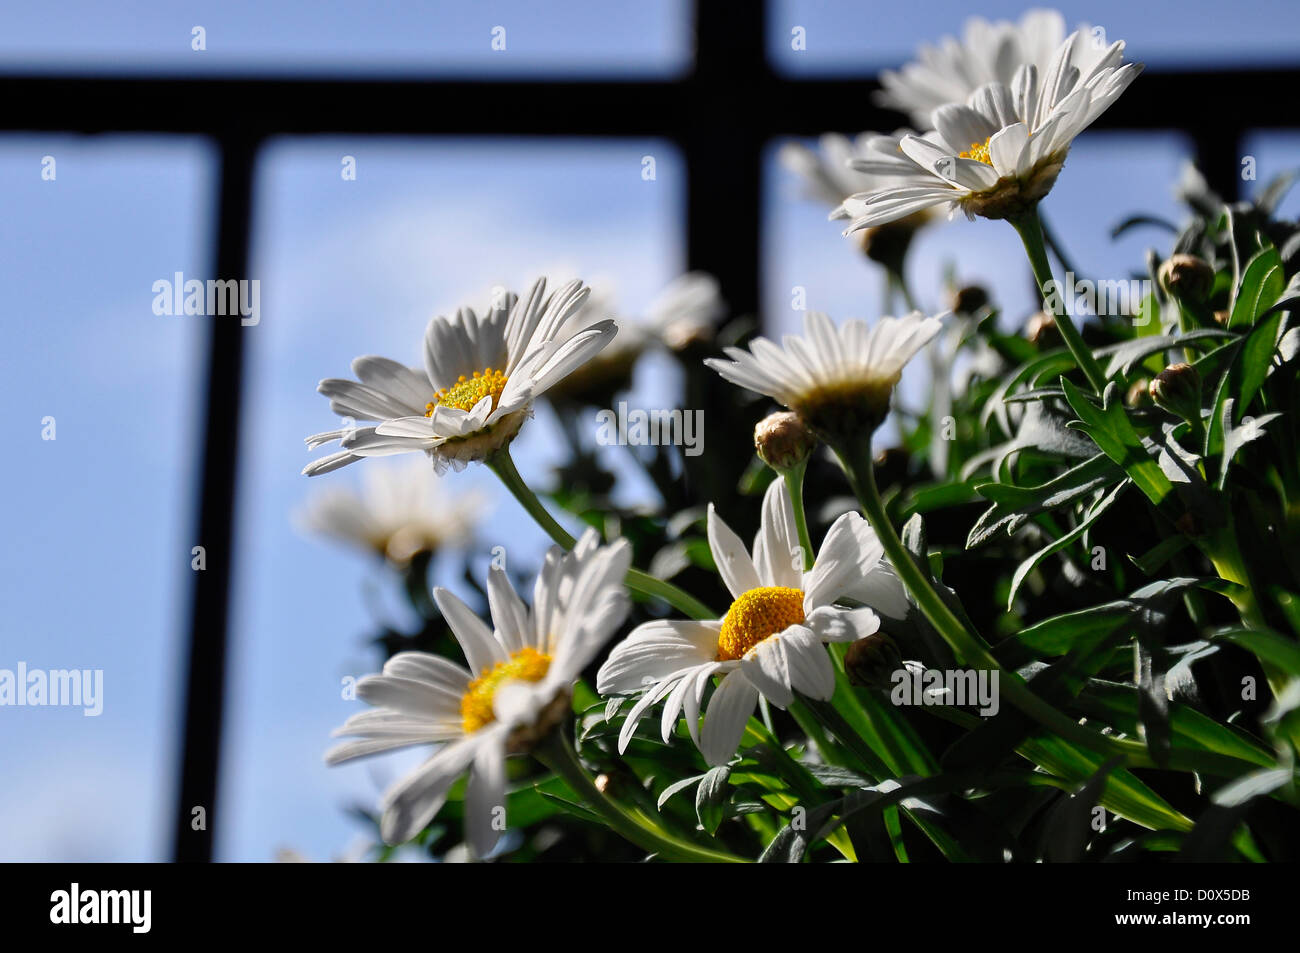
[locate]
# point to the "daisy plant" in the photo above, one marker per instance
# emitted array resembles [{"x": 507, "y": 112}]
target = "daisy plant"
[
  {"x": 839, "y": 380},
  {"x": 1103, "y": 534}
]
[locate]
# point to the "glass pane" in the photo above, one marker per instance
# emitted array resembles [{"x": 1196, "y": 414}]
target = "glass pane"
[
  {"x": 504, "y": 38},
  {"x": 358, "y": 267},
  {"x": 851, "y": 37},
  {"x": 1274, "y": 153},
  {"x": 95, "y": 575}
]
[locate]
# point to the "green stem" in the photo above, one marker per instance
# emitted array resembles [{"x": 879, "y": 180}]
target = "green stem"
[
  {"x": 897, "y": 279},
  {"x": 1054, "y": 244},
  {"x": 1030, "y": 229},
  {"x": 679, "y": 599},
  {"x": 503, "y": 466},
  {"x": 794, "y": 483},
  {"x": 558, "y": 755}
]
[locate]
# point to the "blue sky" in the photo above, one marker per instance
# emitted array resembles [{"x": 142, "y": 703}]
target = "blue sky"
[
  {"x": 861, "y": 37},
  {"x": 332, "y": 36},
  {"x": 97, "y": 570}
]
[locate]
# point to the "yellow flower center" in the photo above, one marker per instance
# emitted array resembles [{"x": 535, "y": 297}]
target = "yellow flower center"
[
  {"x": 468, "y": 391},
  {"x": 979, "y": 151},
  {"x": 757, "y": 615},
  {"x": 528, "y": 665}
]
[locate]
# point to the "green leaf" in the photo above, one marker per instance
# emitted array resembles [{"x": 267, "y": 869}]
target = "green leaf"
[
  {"x": 1117, "y": 703},
  {"x": 1124, "y": 794},
  {"x": 1012, "y": 505},
  {"x": 1256, "y": 358},
  {"x": 1053, "y": 363},
  {"x": 1059, "y": 634},
  {"x": 574, "y": 808},
  {"x": 1066, "y": 828},
  {"x": 1269, "y": 647},
  {"x": 710, "y": 797},
  {"x": 676, "y": 786},
  {"x": 1149, "y": 563},
  {"x": 1110, "y": 428},
  {"x": 1129, "y": 353},
  {"x": 1261, "y": 284},
  {"x": 1094, "y": 514},
  {"x": 1234, "y": 437},
  {"x": 1252, "y": 785}
]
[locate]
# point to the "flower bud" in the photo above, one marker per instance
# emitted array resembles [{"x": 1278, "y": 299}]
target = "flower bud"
[
  {"x": 872, "y": 661},
  {"x": 888, "y": 244},
  {"x": 783, "y": 441},
  {"x": 969, "y": 300},
  {"x": 892, "y": 465},
  {"x": 1187, "y": 278},
  {"x": 1138, "y": 395},
  {"x": 1041, "y": 330},
  {"x": 1178, "y": 390}
]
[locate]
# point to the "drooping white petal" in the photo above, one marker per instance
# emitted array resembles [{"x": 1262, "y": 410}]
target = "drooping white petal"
[
  {"x": 485, "y": 796},
  {"x": 724, "y": 721},
  {"x": 410, "y": 804}
]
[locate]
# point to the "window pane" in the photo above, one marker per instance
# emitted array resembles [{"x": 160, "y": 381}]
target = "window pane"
[
  {"x": 851, "y": 37},
  {"x": 358, "y": 267},
  {"x": 95, "y": 574},
  {"x": 504, "y": 38},
  {"x": 1274, "y": 153}
]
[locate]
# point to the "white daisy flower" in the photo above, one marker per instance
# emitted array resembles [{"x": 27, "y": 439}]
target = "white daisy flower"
[
  {"x": 829, "y": 177},
  {"x": 825, "y": 171},
  {"x": 772, "y": 639},
  {"x": 480, "y": 377},
  {"x": 988, "y": 52},
  {"x": 401, "y": 509},
  {"x": 837, "y": 379},
  {"x": 1000, "y": 152},
  {"x": 516, "y": 689},
  {"x": 685, "y": 309}
]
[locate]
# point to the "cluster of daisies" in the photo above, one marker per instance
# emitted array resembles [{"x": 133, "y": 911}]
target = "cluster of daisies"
[{"x": 997, "y": 112}]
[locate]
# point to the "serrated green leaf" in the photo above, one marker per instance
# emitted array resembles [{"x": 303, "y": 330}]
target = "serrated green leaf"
[
  {"x": 1094, "y": 514},
  {"x": 1110, "y": 428}
]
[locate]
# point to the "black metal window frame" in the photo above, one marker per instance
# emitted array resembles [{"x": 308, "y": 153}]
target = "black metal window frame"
[{"x": 720, "y": 115}]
